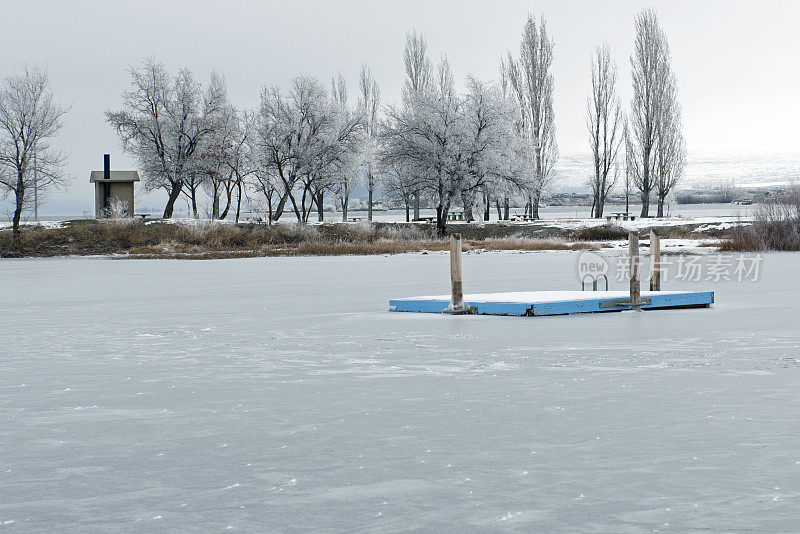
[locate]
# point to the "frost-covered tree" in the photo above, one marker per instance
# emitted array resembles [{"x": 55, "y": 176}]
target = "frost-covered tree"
[
  {"x": 422, "y": 136},
  {"x": 267, "y": 188},
  {"x": 670, "y": 158},
  {"x": 397, "y": 187},
  {"x": 345, "y": 170},
  {"x": 491, "y": 152},
  {"x": 223, "y": 162},
  {"x": 240, "y": 160},
  {"x": 604, "y": 123},
  {"x": 654, "y": 122},
  {"x": 454, "y": 144},
  {"x": 419, "y": 76},
  {"x": 163, "y": 122},
  {"x": 531, "y": 82},
  {"x": 299, "y": 139},
  {"x": 288, "y": 131},
  {"x": 29, "y": 120},
  {"x": 369, "y": 102}
]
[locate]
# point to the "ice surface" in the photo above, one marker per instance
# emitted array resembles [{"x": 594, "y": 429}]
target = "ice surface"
[{"x": 280, "y": 395}]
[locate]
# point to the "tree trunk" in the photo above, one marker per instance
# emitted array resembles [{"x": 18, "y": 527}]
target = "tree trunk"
[
  {"x": 487, "y": 208},
  {"x": 279, "y": 208},
  {"x": 627, "y": 198},
  {"x": 194, "y": 202},
  {"x": 174, "y": 193},
  {"x": 468, "y": 199},
  {"x": 646, "y": 185},
  {"x": 19, "y": 197},
  {"x": 319, "y": 200},
  {"x": 215, "y": 203},
  {"x": 345, "y": 202},
  {"x": 227, "y": 205},
  {"x": 408, "y": 211},
  {"x": 369, "y": 202},
  {"x": 534, "y": 200},
  {"x": 506, "y": 209},
  {"x": 660, "y": 212},
  {"x": 238, "y": 199},
  {"x": 441, "y": 219},
  {"x": 416, "y": 205}
]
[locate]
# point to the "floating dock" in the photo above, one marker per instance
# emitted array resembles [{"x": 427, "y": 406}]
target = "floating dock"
[{"x": 556, "y": 302}]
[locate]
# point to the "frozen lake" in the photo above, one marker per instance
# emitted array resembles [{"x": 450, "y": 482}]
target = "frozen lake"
[{"x": 280, "y": 395}]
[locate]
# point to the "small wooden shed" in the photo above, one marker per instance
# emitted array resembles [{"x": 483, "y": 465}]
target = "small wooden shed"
[{"x": 113, "y": 188}]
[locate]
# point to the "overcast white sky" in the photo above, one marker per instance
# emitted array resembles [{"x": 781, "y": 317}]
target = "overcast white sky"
[{"x": 736, "y": 61}]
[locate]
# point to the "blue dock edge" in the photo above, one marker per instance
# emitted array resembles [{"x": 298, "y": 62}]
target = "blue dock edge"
[{"x": 543, "y": 306}]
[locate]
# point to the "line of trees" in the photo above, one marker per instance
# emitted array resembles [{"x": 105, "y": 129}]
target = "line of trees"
[
  {"x": 652, "y": 134},
  {"x": 494, "y": 142},
  {"x": 490, "y": 145}
]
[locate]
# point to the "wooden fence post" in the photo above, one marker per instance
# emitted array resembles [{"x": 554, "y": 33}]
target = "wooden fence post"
[
  {"x": 655, "y": 261},
  {"x": 457, "y": 289},
  {"x": 633, "y": 250}
]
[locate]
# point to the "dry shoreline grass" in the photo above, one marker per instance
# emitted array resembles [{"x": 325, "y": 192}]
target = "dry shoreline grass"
[{"x": 215, "y": 240}]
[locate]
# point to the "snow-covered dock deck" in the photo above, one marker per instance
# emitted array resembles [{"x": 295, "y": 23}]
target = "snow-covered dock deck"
[{"x": 555, "y": 302}]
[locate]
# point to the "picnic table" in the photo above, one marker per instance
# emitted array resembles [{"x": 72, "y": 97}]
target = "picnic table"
[
  {"x": 423, "y": 219},
  {"x": 625, "y": 216},
  {"x": 142, "y": 215},
  {"x": 355, "y": 219},
  {"x": 455, "y": 216}
]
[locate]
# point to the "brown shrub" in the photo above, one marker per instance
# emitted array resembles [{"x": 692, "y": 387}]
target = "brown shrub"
[
  {"x": 605, "y": 232},
  {"x": 776, "y": 226}
]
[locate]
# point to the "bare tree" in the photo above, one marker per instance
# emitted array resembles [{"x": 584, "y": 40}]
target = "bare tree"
[
  {"x": 396, "y": 187},
  {"x": 422, "y": 137},
  {"x": 288, "y": 133},
  {"x": 630, "y": 166},
  {"x": 369, "y": 102},
  {"x": 29, "y": 119},
  {"x": 604, "y": 123},
  {"x": 670, "y": 157},
  {"x": 164, "y": 121},
  {"x": 240, "y": 159},
  {"x": 211, "y": 163},
  {"x": 300, "y": 139},
  {"x": 652, "y": 108},
  {"x": 345, "y": 169},
  {"x": 455, "y": 144},
  {"x": 419, "y": 76},
  {"x": 531, "y": 81},
  {"x": 492, "y": 158}
]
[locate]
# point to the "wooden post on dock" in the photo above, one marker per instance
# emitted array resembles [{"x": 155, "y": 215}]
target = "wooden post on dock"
[
  {"x": 636, "y": 291},
  {"x": 655, "y": 261},
  {"x": 457, "y": 289}
]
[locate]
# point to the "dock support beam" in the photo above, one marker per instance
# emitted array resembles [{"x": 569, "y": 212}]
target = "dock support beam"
[
  {"x": 655, "y": 261},
  {"x": 457, "y": 305},
  {"x": 636, "y": 290}
]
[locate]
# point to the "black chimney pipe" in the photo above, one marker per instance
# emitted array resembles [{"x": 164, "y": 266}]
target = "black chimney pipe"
[{"x": 107, "y": 186}]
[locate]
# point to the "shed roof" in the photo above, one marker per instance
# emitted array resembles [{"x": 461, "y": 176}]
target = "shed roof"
[{"x": 116, "y": 176}]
